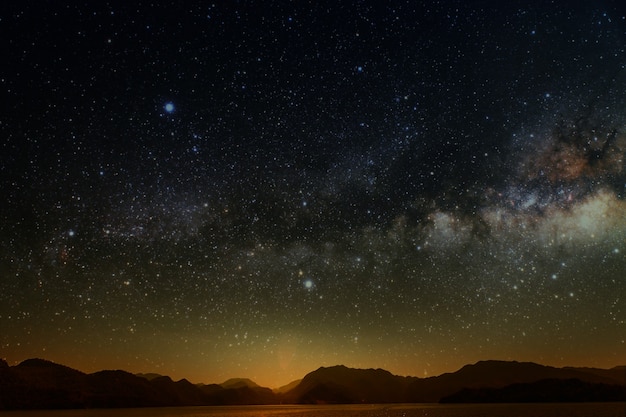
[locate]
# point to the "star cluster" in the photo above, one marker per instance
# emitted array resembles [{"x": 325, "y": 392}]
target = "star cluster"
[{"x": 213, "y": 190}]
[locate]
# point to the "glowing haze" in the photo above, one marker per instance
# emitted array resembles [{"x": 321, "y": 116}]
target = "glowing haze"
[{"x": 211, "y": 191}]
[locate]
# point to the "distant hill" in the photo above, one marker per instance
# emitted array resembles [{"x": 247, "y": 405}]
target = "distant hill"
[
  {"x": 149, "y": 376},
  {"x": 288, "y": 387},
  {"x": 239, "y": 383},
  {"x": 240, "y": 396},
  {"x": 546, "y": 390},
  {"x": 494, "y": 374},
  {"x": 339, "y": 384},
  {"x": 617, "y": 374},
  {"x": 41, "y": 384}
]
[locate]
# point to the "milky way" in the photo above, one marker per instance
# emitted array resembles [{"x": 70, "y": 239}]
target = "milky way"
[{"x": 218, "y": 190}]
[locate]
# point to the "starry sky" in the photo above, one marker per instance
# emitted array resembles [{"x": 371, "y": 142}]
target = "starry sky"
[{"x": 255, "y": 189}]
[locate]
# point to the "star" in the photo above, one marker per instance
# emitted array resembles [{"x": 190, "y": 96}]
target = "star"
[{"x": 311, "y": 183}]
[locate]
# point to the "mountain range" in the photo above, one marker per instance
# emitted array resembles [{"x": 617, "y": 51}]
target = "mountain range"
[{"x": 41, "y": 384}]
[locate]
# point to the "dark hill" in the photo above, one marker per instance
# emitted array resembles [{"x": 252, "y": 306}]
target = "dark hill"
[
  {"x": 286, "y": 388},
  {"x": 40, "y": 384},
  {"x": 37, "y": 383},
  {"x": 239, "y": 383},
  {"x": 339, "y": 384},
  {"x": 547, "y": 390},
  {"x": 149, "y": 376},
  {"x": 120, "y": 389},
  {"x": 181, "y": 392},
  {"x": 494, "y": 374},
  {"x": 241, "y": 396},
  {"x": 616, "y": 374}
]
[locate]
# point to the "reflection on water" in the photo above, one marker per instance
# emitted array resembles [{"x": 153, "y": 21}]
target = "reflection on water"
[{"x": 375, "y": 410}]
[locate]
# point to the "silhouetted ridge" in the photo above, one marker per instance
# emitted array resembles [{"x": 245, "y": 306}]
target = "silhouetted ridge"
[
  {"x": 616, "y": 374},
  {"x": 546, "y": 390},
  {"x": 286, "y": 388},
  {"x": 40, "y": 363},
  {"x": 41, "y": 384},
  {"x": 495, "y": 374},
  {"x": 339, "y": 384},
  {"x": 149, "y": 376},
  {"x": 239, "y": 383}
]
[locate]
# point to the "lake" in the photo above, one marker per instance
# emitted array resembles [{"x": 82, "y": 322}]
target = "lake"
[{"x": 369, "y": 410}]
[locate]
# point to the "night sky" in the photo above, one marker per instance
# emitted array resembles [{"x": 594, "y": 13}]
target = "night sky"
[{"x": 260, "y": 188}]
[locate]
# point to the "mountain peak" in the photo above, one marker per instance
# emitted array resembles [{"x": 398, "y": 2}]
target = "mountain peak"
[
  {"x": 42, "y": 365},
  {"x": 239, "y": 383},
  {"x": 39, "y": 363}
]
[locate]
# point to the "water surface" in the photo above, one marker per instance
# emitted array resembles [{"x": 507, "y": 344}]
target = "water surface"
[{"x": 369, "y": 410}]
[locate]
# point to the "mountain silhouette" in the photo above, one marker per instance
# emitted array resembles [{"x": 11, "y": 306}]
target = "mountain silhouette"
[
  {"x": 546, "y": 390},
  {"x": 41, "y": 384},
  {"x": 617, "y": 374},
  {"x": 239, "y": 383},
  {"x": 286, "y": 388},
  {"x": 495, "y": 374},
  {"x": 339, "y": 384},
  {"x": 150, "y": 376},
  {"x": 243, "y": 395}
]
